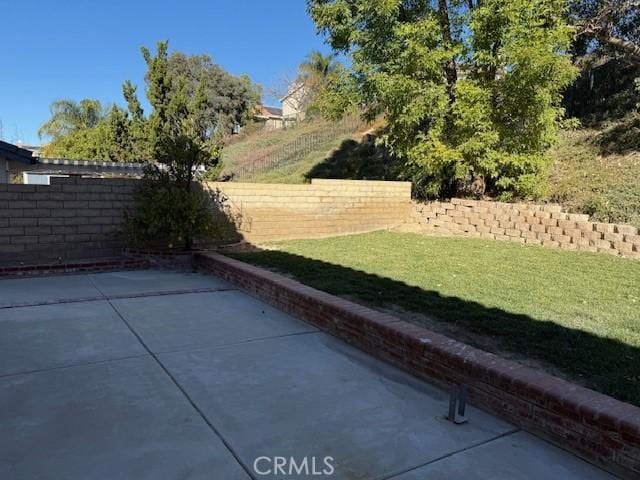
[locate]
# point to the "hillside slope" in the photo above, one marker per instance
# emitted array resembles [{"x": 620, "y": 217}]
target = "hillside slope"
[
  {"x": 597, "y": 171},
  {"x": 285, "y": 155}
]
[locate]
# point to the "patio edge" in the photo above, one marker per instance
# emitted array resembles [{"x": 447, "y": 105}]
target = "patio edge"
[
  {"x": 76, "y": 266},
  {"x": 594, "y": 426}
]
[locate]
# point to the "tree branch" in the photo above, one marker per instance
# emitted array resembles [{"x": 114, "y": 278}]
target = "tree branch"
[{"x": 624, "y": 46}]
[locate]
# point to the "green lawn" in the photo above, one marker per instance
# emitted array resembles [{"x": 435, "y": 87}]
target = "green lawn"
[{"x": 577, "y": 314}]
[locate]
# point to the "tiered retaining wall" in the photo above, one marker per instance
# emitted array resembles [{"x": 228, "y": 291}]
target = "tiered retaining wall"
[
  {"x": 322, "y": 208},
  {"x": 73, "y": 218},
  {"x": 76, "y": 218},
  {"x": 545, "y": 225}
]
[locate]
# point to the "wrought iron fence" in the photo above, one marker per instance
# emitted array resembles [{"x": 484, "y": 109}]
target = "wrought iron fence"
[{"x": 294, "y": 150}]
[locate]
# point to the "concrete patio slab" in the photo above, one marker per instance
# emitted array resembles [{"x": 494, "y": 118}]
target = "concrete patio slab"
[
  {"x": 312, "y": 395},
  {"x": 178, "y": 322},
  {"x": 153, "y": 281},
  {"x": 519, "y": 456},
  {"x": 28, "y": 291},
  {"x": 200, "y": 385},
  {"x": 123, "y": 419},
  {"x": 49, "y": 336}
]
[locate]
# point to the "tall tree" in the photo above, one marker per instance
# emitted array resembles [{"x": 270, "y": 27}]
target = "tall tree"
[
  {"x": 317, "y": 65},
  {"x": 85, "y": 130},
  {"x": 140, "y": 147},
  {"x": 184, "y": 139},
  {"x": 118, "y": 136},
  {"x": 184, "y": 135},
  {"x": 69, "y": 115},
  {"x": 229, "y": 99},
  {"x": 470, "y": 90}
]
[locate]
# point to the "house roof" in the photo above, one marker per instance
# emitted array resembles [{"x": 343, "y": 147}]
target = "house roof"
[
  {"x": 268, "y": 112},
  {"x": 31, "y": 148},
  {"x": 63, "y": 165},
  {"x": 15, "y": 153},
  {"x": 91, "y": 163}
]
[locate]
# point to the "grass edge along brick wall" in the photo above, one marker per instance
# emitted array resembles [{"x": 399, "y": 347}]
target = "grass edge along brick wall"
[
  {"x": 545, "y": 225},
  {"x": 596, "y": 427}
]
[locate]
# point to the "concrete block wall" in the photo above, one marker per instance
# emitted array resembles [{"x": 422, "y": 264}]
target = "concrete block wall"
[
  {"x": 74, "y": 218},
  {"x": 264, "y": 212},
  {"x": 545, "y": 225}
]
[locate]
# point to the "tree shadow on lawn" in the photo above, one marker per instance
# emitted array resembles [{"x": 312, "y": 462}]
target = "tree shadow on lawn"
[{"x": 607, "y": 365}]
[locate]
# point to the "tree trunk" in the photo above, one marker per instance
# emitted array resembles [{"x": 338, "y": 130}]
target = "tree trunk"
[
  {"x": 188, "y": 241},
  {"x": 450, "y": 67}
]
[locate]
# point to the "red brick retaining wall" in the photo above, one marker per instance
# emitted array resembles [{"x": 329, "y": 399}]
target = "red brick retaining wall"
[
  {"x": 96, "y": 265},
  {"x": 598, "y": 428},
  {"x": 545, "y": 225}
]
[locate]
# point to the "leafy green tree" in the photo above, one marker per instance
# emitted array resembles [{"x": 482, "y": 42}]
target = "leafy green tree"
[
  {"x": 184, "y": 135},
  {"x": 82, "y": 144},
  {"x": 110, "y": 139},
  {"x": 137, "y": 126},
  {"x": 118, "y": 137},
  {"x": 470, "y": 90},
  {"x": 68, "y": 116},
  {"x": 338, "y": 96},
  {"x": 86, "y": 130},
  {"x": 185, "y": 140},
  {"x": 229, "y": 99}
]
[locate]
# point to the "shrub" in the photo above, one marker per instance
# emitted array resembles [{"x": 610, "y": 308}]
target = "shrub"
[{"x": 166, "y": 216}]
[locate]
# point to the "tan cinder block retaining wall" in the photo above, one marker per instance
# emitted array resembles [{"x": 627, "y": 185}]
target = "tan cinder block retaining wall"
[
  {"x": 544, "y": 225},
  {"x": 321, "y": 209},
  {"x": 74, "y": 218}
]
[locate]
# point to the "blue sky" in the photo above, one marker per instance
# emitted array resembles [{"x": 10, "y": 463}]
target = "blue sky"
[{"x": 78, "y": 49}]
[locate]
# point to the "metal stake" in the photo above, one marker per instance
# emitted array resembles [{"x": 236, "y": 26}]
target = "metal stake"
[{"x": 457, "y": 404}]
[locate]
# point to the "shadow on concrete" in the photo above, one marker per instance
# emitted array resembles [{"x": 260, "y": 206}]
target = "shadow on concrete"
[{"x": 604, "y": 364}]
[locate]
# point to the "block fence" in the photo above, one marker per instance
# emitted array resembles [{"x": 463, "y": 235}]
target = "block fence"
[
  {"x": 73, "y": 218},
  {"x": 545, "y": 225},
  {"x": 77, "y": 218},
  {"x": 594, "y": 426},
  {"x": 322, "y": 208}
]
